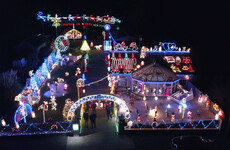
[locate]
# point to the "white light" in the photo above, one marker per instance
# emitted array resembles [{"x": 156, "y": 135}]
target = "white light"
[
  {"x": 3, "y": 122},
  {"x": 33, "y": 114},
  {"x": 65, "y": 86},
  {"x": 217, "y": 117},
  {"x": 108, "y": 68},
  {"x": 168, "y": 106},
  {"x": 184, "y": 105},
  {"x": 180, "y": 109},
  {"x": 152, "y": 112},
  {"x": 156, "y": 98},
  {"x": 20, "y": 103},
  {"x": 75, "y": 127},
  {"x": 130, "y": 123},
  {"x": 200, "y": 99},
  {"x": 168, "y": 98},
  {"x": 142, "y": 63},
  {"x": 101, "y": 105},
  {"x": 83, "y": 91},
  {"x": 122, "y": 110},
  {"x": 48, "y": 75},
  {"x": 17, "y": 126},
  {"x": 144, "y": 98}
]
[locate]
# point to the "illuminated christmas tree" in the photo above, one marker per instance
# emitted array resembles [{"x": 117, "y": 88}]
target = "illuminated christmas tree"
[
  {"x": 85, "y": 46},
  {"x": 44, "y": 70},
  {"x": 47, "y": 64},
  {"x": 54, "y": 58},
  {"x": 58, "y": 54},
  {"x": 33, "y": 83},
  {"x": 50, "y": 61}
]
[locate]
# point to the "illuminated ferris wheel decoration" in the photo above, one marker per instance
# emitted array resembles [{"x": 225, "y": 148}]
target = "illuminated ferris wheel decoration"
[{"x": 62, "y": 43}]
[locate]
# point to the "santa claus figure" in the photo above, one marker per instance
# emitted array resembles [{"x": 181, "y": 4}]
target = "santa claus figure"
[{"x": 189, "y": 114}]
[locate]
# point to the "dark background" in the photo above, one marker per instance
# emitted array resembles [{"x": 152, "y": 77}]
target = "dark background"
[{"x": 201, "y": 25}]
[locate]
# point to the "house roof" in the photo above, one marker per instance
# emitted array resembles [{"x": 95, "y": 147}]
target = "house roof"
[{"x": 154, "y": 73}]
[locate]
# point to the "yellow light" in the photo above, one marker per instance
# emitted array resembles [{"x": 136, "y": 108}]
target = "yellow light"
[
  {"x": 144, "y": 98},
  {"x": 216, "y": 107},
  {"x": 70, "y": 54},
  {"x": 138, "y": 66}
]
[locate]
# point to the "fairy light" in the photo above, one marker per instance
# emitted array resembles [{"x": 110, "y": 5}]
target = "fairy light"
[{"x": 33, "y": 114}]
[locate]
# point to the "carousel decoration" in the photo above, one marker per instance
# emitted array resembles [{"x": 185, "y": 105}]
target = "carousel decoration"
[
  {"x": 62, "y": 43},
  {"x": 73, "y": 34}
]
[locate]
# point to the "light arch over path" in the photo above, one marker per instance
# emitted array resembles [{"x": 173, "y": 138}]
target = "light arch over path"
[{"x": 99, "y": 97}]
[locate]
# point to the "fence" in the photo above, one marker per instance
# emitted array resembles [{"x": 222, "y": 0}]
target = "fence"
[
  {"x": 37, "y": 128},
  {"x": 176, "y": 125}
]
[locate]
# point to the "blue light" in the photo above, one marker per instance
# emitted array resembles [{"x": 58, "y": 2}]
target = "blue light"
[
  {"x": 120, "y": 51},
  {"x": 168, "y": 46},
  {"x": 40, "y": 16},
  {"x": 169, "y": 52},
  {"x": 107, "y": 27},
  {"x": 168, "y": 106},
  {"x": 28, "y": 111},
  {"x": 83, "y": 77},
  {"x": 107, "y": 45}
]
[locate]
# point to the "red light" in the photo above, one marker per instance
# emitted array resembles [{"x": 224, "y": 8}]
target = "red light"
[{"x": 221, "y": 113}]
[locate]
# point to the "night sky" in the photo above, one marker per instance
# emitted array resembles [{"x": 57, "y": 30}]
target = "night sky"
[{"x": 203, "y": 26}]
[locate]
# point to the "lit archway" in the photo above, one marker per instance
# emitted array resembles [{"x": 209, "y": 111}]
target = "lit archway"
[{"x": 99, "y": 97}]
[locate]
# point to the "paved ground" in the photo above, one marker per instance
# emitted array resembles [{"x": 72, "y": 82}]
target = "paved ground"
[{"x": 104, "y": 136}]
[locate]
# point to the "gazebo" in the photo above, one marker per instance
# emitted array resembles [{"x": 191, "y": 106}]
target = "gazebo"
[{"x": 154, "y": 80}]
